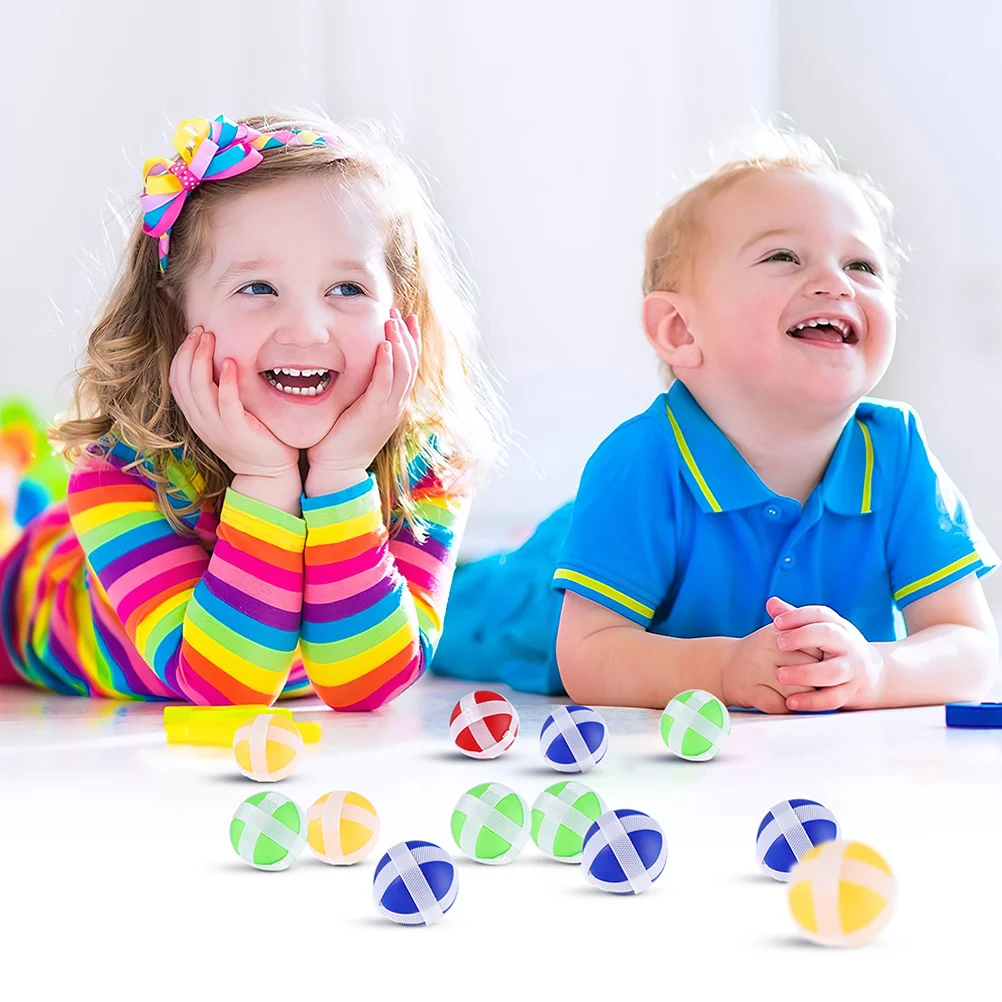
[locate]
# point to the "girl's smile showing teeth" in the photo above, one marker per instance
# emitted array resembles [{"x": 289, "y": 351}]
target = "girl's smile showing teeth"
[{"x": 299, "y": 382}]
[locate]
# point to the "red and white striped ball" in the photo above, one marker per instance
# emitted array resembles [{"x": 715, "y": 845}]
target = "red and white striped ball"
[{"x": 483, "y": 724}]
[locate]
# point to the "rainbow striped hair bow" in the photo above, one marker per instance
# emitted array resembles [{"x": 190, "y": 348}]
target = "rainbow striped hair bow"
[{"x": 209, "y": 151}]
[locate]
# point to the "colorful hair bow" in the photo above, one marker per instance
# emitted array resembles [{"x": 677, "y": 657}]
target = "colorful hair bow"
[{"x": 209, "y": 151}]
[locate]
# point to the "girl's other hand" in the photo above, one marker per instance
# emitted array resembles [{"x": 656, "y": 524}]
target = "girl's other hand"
[{"x": 346, "y": 452}]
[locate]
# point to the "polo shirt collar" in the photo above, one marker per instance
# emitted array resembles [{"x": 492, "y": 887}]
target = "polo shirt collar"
[{"x": 721, "y": 479}]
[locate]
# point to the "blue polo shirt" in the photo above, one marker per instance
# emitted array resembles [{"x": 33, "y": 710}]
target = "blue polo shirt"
[{"x": 672, "y": 528}]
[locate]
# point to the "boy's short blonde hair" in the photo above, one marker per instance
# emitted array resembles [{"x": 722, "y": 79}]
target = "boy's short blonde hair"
[{"x": 673, "y": 239}]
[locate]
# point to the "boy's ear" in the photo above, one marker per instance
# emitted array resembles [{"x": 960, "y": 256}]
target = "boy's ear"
[{"x": 667, "y": 331}]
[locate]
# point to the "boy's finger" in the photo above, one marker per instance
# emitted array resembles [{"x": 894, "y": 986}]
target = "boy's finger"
[
  {"x": 776, "y": 606},
  {"x": 832, "y": 671},
  {"x": 805, "y": 614},
  {"x": 766, "y": 699},
  {"x": 821, "y": 699},
  {"x": 828, "y": 637}
]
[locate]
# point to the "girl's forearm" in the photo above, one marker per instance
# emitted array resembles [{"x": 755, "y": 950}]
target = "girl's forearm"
[
  {"x": 282, "y": 492},
  {"x": 940, "y": 664},
  {"x": 321, "y": 481}
]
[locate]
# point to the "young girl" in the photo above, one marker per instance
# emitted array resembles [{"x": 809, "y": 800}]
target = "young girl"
[{"x": 279, "y": 418}]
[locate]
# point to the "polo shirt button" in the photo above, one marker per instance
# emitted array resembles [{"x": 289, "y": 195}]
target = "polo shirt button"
[
  {"x": 772, "y": 511},
  {"x": 788, "y": 561}
]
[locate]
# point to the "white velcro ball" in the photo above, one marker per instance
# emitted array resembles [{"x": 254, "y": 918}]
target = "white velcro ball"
[
  {"x": 268, "y": 748},
  {"x": 268, "y": 831},
  {"x": 342, "y": 827},
  {"x": 624, "y": 852},
  {"x": 695, "y": 725},
  {"x": 574, "y": 738},
  {"x": 842, "y": 894},
  {"x": 789, "y": 831},
  {"x": 483, "y": 724},
  {"x": 491, "y": 823},
  {"x": 561, "y": 817},
  {"x": 415, "y": 883}
]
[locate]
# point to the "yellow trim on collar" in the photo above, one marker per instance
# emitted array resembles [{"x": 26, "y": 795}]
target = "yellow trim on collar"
[
  {"x": 690, "y": 462},
  {"x": 971, "y": 558},
  {"x": 603, "y": 589},
  {"x": 868, "y": 474}
]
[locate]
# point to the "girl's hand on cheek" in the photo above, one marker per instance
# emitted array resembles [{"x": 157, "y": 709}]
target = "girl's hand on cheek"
[
  {"x": 346, "y": 452},
  {"x": 217, "y": 415}
]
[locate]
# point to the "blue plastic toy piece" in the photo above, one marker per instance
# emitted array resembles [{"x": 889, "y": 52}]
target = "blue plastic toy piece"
[{"x": 974, "y": 714}]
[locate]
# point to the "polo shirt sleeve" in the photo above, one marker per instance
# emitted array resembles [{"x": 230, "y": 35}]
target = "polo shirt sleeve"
[
  {"x": 620, "y": 548},
  {"x": 932, "y": 540}
]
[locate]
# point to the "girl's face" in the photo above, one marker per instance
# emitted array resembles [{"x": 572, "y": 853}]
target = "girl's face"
[
  {"x": 296, "y": 281},
  {"x": 783, "y": 248}
]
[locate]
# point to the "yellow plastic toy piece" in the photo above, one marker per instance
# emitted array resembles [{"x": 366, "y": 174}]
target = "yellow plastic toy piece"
[{"x": 216, "y": 726}]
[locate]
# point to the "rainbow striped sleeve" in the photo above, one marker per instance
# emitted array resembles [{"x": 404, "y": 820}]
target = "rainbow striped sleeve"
[
  {"x": 373, "y": 605},
  {"x": 214, "y": 629}
]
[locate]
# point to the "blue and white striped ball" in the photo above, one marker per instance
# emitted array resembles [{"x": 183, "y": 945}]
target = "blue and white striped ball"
[
  {"x": 789, "y": 831},
  {"x": 624, "y": 852},
  {"x": 574, "y": 738},
  {"x": 415, "y": 883}
]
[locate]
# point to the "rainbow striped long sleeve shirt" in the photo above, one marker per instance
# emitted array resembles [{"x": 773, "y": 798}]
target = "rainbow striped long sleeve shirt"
[{"x": 100, "y": 596}]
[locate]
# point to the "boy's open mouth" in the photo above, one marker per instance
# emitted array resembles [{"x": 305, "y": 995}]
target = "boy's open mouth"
[
  {"x": 299, "y": 382},
  {"x": 826, "y": 330}
]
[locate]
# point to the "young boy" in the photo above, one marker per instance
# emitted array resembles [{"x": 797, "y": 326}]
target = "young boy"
[{"x": 762, "y": 530}]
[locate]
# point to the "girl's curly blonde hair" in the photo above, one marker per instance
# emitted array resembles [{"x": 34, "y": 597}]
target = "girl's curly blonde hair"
[{"x": 453, "y": 419}]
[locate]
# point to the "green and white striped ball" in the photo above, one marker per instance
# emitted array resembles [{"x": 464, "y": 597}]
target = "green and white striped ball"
[
  {"x": 695, "y": 725},
  {"x": 268, "y": 830},
  {"x": 561, "y": 816},
  {"x": 491, "y": 823}
]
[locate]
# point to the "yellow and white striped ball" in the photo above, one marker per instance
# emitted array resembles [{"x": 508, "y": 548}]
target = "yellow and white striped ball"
[
  {"x": 842, "y": 893},
  {"x": 342, "y": 827},
  {"x": 267, "y": 748}
]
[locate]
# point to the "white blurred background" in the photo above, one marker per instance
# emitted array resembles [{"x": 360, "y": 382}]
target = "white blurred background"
[{"x": 551, "y": 132}]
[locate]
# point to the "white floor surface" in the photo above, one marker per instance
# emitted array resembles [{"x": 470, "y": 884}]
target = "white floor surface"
[{"x": 119, "y": 882}]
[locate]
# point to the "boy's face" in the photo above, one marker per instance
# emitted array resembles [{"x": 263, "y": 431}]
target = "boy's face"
[{"x": 781, "y": 248}]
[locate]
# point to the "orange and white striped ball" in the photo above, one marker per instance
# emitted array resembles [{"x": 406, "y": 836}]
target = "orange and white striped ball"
[
  {"x": 483, "y": 724},
  {"x": 842, "y": 893},
  {"x": 267, "y": 748},
  {"x": 342, "y": 827}
]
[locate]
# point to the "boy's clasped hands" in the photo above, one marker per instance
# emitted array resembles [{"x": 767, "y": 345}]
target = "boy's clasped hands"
[{"x": 807, "y": 659}]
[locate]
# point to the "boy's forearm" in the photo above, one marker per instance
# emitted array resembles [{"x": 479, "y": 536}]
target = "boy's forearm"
[
  {"x": 622, "y": 666},
  {"x": 940, "y": 664}
]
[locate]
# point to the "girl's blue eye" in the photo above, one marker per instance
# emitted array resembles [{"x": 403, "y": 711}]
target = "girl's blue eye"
[
  {"x": 351, "y": 290},
  {"x": 257, "y": 289}
]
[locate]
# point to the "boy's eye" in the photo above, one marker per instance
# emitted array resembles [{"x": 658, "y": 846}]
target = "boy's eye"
[
  {"x": 257, "y": 289},
  {"x": 865, "y": 265},
  {"x": 347, "y": 289},
  {"x": 781, "y": 256}
]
